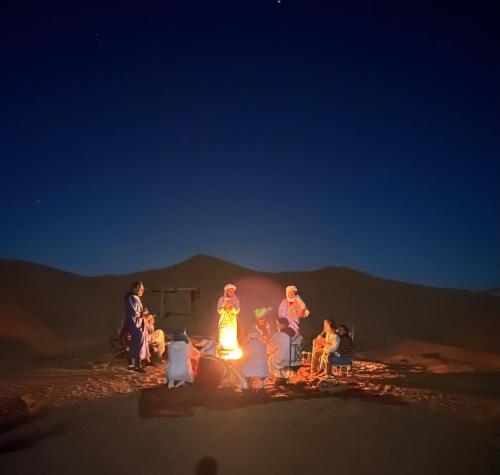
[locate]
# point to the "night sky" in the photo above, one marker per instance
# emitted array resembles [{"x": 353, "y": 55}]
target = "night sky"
[{"x": 279, "y": 135}]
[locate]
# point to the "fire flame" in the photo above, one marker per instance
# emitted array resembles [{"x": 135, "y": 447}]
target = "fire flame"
[{"x": 232, "y": 355}]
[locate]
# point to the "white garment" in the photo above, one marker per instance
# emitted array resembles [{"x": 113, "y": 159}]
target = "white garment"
[
  {"x": 293, "y": 311},
  {"x": 254, "y": 363},
  {"x": 332, "y": 342},
  {"x": 179, "y": 364},
  {"x": 279, "y": 353}
]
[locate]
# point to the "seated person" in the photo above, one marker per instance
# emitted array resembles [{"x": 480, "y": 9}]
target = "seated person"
[
  {"x": 341, "y": 353},
  {"x": 180, "y": 360},
  {"x": 323, "y": 343},
  {"x": 279, "y": 349},
  {"x": 253, "y": 366},
  {"x": 214, "y": 373},
  {"x": 262, "y": 323},
  {"x": 156, "y": 338}
]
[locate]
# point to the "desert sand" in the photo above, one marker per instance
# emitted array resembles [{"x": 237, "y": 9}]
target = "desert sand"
[
  {"x": 425, "y": 396},
  {"x": 421, "y": 416},
  {"x": 327, "y": 435}
]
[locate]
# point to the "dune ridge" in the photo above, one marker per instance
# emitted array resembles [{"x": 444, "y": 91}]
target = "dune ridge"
[{"x": 53, "y": 311}]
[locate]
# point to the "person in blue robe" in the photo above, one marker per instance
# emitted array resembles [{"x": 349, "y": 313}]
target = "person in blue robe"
[{"x": 135, "y": 324}]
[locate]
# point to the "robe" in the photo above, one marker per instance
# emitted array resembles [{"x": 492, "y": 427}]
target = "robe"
[
  {"x": 179, "y": 366},
  {"x": 228, "y": 324},
  {"x": 254, "y": 363},
  {"x": 292, "y": 311},
  {"x": 136, "y": 326}
]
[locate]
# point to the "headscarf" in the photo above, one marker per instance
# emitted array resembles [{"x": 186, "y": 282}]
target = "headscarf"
[
  {"x": 290, "y": 287},
  {"x": 227, "y": 287},
  {"x": 180, "y": 335},
  {"x": 283, "y": 321},
  {"x": 261, "y": 312}
]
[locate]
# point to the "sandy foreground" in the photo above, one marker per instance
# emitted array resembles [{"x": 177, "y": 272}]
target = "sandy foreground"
[
  {"x": 315, "y": 436},
  {"x": 418, "y": 408}
]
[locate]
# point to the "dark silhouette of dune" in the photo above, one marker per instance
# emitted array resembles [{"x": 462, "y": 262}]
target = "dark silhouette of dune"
[{"x": 46, "y": 311}]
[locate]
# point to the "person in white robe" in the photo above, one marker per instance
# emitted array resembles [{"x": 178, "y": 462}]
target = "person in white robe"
[
  {"x": 179, "y": 368},
  {"x": 293, "y": 308},
  {"x": 254, "y": 363}
]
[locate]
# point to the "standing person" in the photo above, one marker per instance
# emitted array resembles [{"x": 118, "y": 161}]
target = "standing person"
[
  {"x": 293, "y": 308},
  {"x": 134, "y": 323},
  {"x": 228, "y": 308},
  {"x": 254, "y": 362}
]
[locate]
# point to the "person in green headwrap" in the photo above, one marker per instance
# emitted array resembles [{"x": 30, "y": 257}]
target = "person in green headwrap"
[{"x": 262, "y": 323}]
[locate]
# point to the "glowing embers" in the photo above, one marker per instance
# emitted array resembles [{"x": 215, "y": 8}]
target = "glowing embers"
[{"x": 228, "y": 348}]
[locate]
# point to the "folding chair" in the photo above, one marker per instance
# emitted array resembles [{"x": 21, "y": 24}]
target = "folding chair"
[{"x": 295, "y": 358}]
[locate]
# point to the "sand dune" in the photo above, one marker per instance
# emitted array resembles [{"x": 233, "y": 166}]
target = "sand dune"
[
  {"x": 424, "y": 397},
  {"x": 46, "y": 311}
]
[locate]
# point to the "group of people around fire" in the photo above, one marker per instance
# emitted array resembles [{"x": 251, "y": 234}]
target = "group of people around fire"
[{"x": 233, "y": 360}]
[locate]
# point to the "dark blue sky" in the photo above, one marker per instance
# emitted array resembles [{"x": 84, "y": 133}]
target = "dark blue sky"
[{"x": 280, "y": 136}]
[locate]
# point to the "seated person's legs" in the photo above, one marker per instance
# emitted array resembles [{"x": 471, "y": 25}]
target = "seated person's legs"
[{"x": 316, "y": 359}]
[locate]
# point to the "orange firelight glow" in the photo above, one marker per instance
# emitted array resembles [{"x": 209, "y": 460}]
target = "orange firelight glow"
[
  {"x": 232, "y": 355},
  {"x": 229, "y": 348}
]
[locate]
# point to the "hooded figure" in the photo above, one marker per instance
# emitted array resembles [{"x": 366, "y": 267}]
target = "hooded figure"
[
  {"x": 254, "y": 364},
  {"x": 179, "y": 368},
  {"x": 293, "y": 308}
]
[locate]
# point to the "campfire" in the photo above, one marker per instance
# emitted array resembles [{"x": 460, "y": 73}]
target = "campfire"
[{"x": 235, "y": 354}]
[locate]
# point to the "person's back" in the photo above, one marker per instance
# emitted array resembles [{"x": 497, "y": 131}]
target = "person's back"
[
  {"x": 342, "y": 354},
  {"x": 345, "y": 346},
  {"x": 179, "y": 367},
  {"x": 255, "y": 359},
  {"x": 279, "y": 348},
  {"x": 211, "y": 372}
]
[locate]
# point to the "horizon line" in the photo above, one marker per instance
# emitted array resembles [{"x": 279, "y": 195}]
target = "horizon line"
[{"x": 41, "y": 264}]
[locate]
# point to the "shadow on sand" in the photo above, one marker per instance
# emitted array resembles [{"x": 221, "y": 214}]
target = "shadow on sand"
[
  {"x": 207, "y": 466},
  {"x": 163, "y": 402}
]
